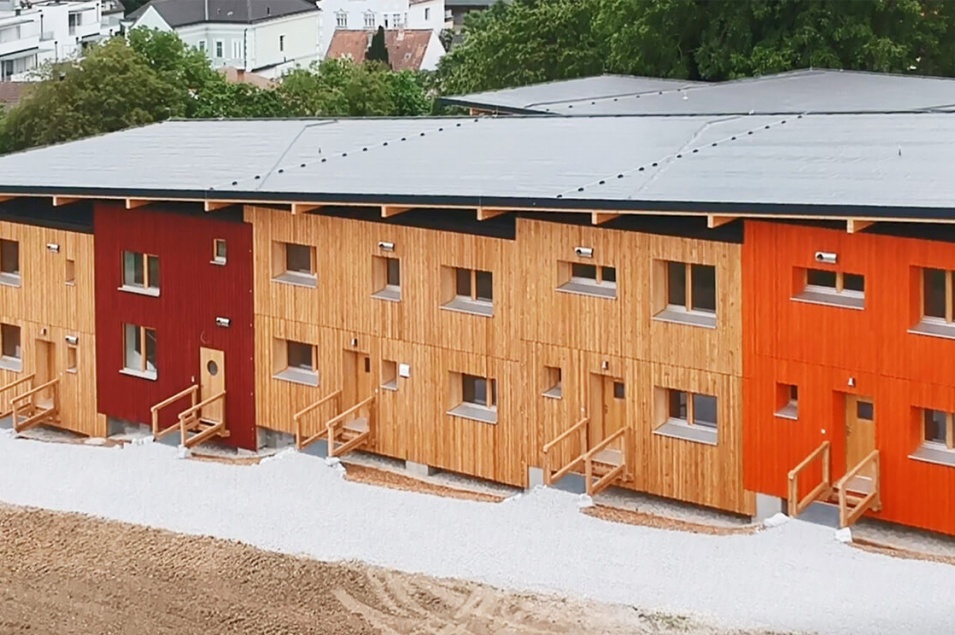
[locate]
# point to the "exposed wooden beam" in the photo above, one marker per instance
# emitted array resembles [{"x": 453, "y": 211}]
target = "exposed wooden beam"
[
  {"x": 486, "y": 213},
  {"x": 211, "y": 206},
  {"x": 855, "y": 225},
  {"x": 59, "y": 201},
  {"x": 387, "y": 211},
  {"x": 599, "y": 218},
  {"x": 713, "y": 221},
  {"x": 133, "y": 203},
  {"x": 304, "y": 208}
]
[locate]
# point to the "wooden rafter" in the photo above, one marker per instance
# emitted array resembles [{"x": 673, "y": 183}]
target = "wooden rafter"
[
  {"x": 304, "y": 208},
  {"x": 133, "y": 203},
  {"x": 856, "y": 225},
  {"x": 59, "y": 201},
  {"x": 486, "y": 213},
  {"x": 387, "y": 211},
  {"x": 211, "y": 206},
  {"x": 599, "y": 218},
  {"x": 713, "y": 220}
]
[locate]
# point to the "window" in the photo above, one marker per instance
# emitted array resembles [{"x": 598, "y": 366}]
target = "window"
[
  {"x": 281, "y": 43},
  {"x": 237, "y": 49},
  {"x": 619, "y": 390},
  {"x": 139, "y": 351},
  {"x": 295, "y": 362},
  {"x": 587, "y": 279},
  {"x": 474, "y": 397},
  {"x": 387, "y": 22},
  {"x": 685, "y": 293},
  {"x": 294, "y": 264},
  {"x": 686, "y": 415},
  {"x": 389, "y": 374},
  {"x": 938, "y": 437},
  {"x": 937, "y": 315},
  {"x": 787, "y": 401},
  {"x": 69, "y": 274},
  {"x": 140, "y": 273},
  {"x": 10, "y": 262},
  {"x": 12, "y": 356},
  {"x": 468, "y": 290},
  {"x": 71, "y": 354},
  {"x": 396, "y": 20},
  {"x": 552, "y": 382},
  {"x": 202, "y": 45},
  {"x": 369, "y": 19},
  {"x": 427, "y": 13},
  {"x": 218, "y": 251},
  {"x": 341, "y": 19},
  {"x": 833, "y": 287},
  {"x": 220, "y": 46},
  {"x": 386, "y": 278}
]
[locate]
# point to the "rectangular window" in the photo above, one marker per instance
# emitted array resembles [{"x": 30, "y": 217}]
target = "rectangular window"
[
  {"x": 396, "y": 20},
  {"x": 295, "y": 362},
  {"x": 218, "y": 251},
  {"x": 237, "y": 49},
  {"x": 687, "y": 415},
  {"x": 938, "y": 437},
  {"x": 685, "y": 293},
  {"x": 938, "y": 306},
  {"x": 341, "y": 19},
  {"x": 220, "y": 46},
  {"x": 386, "y": 278},
  {"x": 10, "y": 262},
  {"x": 139, "y": 356},
  {"x": 389, "y": 374},
  {"x": 69, "y": 274},
  {"x": 468, "y": 290},
  {"x": 587, "y": 279},
  {"x": 202, "y": 45},
  {"x": 787, "y": 401},
  {"x": 552, "y": 382},
  {"x": 369, "y": 19},
  {"x": 12, "y": 356},
  {"x": 837, "y": 288},
  {"x": 294, "y": 264},
  {"x": 281, "y": 43},
  {"x": 140, "y": 273},
  {"x": 71, "y": 355},
  {"x": 474, "y": 397},
  {"x": 427, "y": 13}
]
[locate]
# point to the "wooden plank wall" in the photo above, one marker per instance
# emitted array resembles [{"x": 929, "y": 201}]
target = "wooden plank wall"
[
  {"x": 533, "y": 326},
  {"x": 45, "y": 302},
  {"x": 819, "y": 348}
]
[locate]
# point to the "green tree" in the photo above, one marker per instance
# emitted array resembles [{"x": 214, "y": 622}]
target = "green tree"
[
  {"x": 179, "y": 63},
  {"x": 227, "y": 100},
  {"x": 377, "y": 50},
  {"x": 131, "y": 5}
]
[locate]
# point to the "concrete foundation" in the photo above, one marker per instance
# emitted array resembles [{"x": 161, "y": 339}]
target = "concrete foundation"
[
  {"x": 275, "y": 439},
  {"x": 419, "y": 469},
  {"x": 768, "y": 506},
  {"x": 573, "y": 483},
  {"x": 535, "y": 477}
]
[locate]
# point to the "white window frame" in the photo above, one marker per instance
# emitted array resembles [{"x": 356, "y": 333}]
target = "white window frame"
[{"x": 341, "y": 19}]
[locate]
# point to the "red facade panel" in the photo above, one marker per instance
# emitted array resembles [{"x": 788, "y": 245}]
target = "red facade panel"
[
  {"x": 193, "y": 293},
  {"x": 830, "y": 352}
]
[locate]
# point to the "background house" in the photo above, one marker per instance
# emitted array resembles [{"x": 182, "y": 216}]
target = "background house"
[
  {"x": 354, "y": 15},
  {"x": 408, "y": 49},
  {"x": 265, "y": 38}
]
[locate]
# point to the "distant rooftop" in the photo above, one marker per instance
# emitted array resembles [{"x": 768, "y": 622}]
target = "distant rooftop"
[
  {"x": 806, "y": 91},
  {"x": 178, "y": 13},
  {"x": 406, "y": 47}
]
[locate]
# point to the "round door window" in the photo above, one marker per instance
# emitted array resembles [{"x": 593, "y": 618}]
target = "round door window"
[{"x": 213, "y": 368}]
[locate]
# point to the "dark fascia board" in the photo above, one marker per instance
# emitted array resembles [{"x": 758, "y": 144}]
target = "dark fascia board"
[
  {"x": 464, "y": 103},
  {"x": 525, "y": 204}
]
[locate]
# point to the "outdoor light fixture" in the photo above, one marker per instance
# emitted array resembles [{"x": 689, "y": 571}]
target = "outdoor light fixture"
[
  {"x": 826, "y": 257},
  {"x": 223, "y": 321},
  {"x": 584, "y": 252},
  {"x": 72, "y": 339},
  {"x": 386, "y": 246},
  {"x": 53, "y": 247}
]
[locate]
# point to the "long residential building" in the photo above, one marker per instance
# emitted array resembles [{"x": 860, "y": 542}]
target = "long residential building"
[{"x": 746, "y": 312}]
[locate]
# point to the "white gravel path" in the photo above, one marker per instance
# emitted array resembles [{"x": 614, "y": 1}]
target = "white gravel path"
[{"x": 794, "y": 577}]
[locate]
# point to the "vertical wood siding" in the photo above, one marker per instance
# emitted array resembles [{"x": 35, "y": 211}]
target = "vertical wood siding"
[
  {"x": 819, "y": 348},
  {"x": 193, "y": 293}
]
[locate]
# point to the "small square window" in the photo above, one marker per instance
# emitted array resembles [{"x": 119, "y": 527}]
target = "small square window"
[
  {"x": 677, "y": 404},
  {"x": 294, "y": 264},
  {"x": 298, "y": 259},
  {"x": 281, "y": 43},
  {"x": 820, "y": 278},
  {"x": 69, "y": 274},
  {"x": 935, "y": 426},
  {"x": 704, "y": 411},
  {"x": 685, "y": 293},
  {"x": 10, "y": 341},
  {"x": 865, "y": 410},
  {"x": 553, "y": 382},
  {"x": 219, "y": 251},
  {"x": 484, "y": 287},
  {"x": 295, "y": 362},
  {"x": 619, "y": 390},
  {"x": 10, "y": 260},
  {"x": 389, "y": 374},
  {"x": 71, "y": 356},
  {"x": 300, "y": 356},
  {"x": 467, "y": 290},
  {"x": 787, "y": 401},
  {"x": 474, "y": 397},
  {"x": 386, "y": 274}
]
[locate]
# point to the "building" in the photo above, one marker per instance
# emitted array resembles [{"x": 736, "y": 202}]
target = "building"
[
  {"x": 408, "y": 49},
  {"x": 34, "y": 33},
  {"x": 746, "y": 312},
  {"x": 368, "y": 15},
  {"x": 267, "y": 38},
  {"x": 458, "y": 9}
]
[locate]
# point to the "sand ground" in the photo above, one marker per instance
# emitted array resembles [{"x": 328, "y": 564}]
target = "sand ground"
[{"x": 68, "y": 574}]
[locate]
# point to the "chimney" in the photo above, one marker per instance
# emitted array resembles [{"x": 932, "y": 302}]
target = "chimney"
[{"x": 206, "y": 4}]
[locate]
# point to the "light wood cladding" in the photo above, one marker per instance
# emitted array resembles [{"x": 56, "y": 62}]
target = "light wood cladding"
[
  {"x": 55, "y": 300},
  {"x": 534, "y": 328}
]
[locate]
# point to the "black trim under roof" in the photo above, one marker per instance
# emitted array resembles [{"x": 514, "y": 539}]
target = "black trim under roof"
[{"x": 77, "y": 217}]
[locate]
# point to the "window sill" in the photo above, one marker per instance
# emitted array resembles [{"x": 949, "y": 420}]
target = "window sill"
[
  {"x": 788, "y": 411},
  {"x": 71, "y": 371},
  {"x": 297, "y": 376},
  {"x": 460, "y": 305},
  {"x": 687, "y": 318},
  {"x": 586, "y": 288},
  {"x": 474, "y": 412},
  {"x": 151, "y": 375},
  {"x": 297, "y": 279},
  {"x": 153, "y": 293},
  {"x": 11, "y": 363},
  {"x": 391, "y": 385},
  {"x": 218, "y": 263},
  {"x": 678, "y": 429},
  {"x": 388, "y": 294},
  {"x": 934, "y": 329},
  {"x": 553, "y": 393},
  {"x": 937, "y": 454},
  {"x": 831, "y": 299},
  {"x": 10, "y": 279}
]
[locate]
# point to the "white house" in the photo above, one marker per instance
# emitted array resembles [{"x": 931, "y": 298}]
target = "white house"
[
  {"x": 33, "y": 33},
  {"x": 352, "y": 15},
  {"x": 266, "y": 37}
]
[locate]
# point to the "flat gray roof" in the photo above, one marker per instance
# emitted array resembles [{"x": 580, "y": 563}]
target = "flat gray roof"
[
  {"x": 808, "y": 91},
  {"x": 882, "y": 165}
]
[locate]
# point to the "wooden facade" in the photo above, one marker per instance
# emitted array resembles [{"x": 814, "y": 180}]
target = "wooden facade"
[
  {"x": 200, "y": 313},
  {"x": 51, "y": 303},
  {"x": 838, "y": 355}
]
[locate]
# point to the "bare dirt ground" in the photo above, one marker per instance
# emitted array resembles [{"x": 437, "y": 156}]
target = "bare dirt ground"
[{"x": 67, "y": 574}]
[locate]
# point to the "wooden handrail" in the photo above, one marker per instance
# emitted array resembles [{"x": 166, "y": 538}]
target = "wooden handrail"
[
  {"x": 185, "y": 414},
  {"x": 603, "y": 444},
  {"x": 334, "y": 421},
  {"x": 307, "y": 409},
  {"x": 797, "y": 505},
  {"x": 851, "y": 474},
  {"x": 579, "y": 427},
  {"x": 574, "y": 428},
  {"x": 191, "y": 391},
  {"x": 16, "y": 383},
  {"x": 179, "y": 395},
  {"x": 871, "y": 499},
  {"x": 36, "y": 389},
  {"x": 595, "y": 487},
  {"x": 809, "y": 459}
]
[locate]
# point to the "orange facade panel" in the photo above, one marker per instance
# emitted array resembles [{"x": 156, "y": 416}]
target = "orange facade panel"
[{"x": 855, "y": 363}]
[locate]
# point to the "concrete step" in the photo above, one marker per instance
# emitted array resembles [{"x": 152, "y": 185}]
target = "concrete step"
[{"x": 821, "y": 513}]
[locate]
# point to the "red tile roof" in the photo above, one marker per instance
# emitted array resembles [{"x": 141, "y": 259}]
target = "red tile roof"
[
  {"x": 406, "y": 47},
  {"x": 239, "y": 76}
]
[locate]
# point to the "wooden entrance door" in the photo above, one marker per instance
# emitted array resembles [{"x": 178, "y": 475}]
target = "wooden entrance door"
[
  {"x": 608, "y": 407},
  {"x": 211, "y": 382},
  {"x": 356, "y": 378},
  {"x": 860, "y": 429},
  {"x": 45, "y": 370}
]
